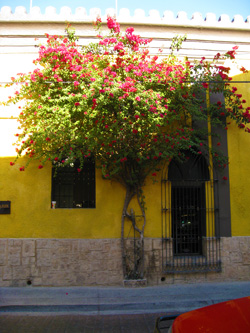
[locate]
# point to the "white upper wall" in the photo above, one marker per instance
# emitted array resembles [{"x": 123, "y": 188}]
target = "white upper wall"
[{"x": 22, "y": 31}]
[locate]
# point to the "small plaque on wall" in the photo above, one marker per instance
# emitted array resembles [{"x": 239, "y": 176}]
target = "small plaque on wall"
[{"x": 4, "y": 207}]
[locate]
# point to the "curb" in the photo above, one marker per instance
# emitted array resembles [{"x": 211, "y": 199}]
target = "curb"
[{"x": 107, "y": 309}]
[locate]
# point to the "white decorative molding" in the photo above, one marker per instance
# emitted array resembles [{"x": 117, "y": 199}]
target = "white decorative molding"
[
  {"x": 35, "y": 12},
  {"x": 224, "y": 18},
  {"x": 238, "y": 19},
  {"x": 20, "y": 13},
  {"x": 124, "y": 16},
  {"x": 5, "y": 13},
  {"x": 154, "y": 15},
  {"x": 81, "y": 13},
  {"x": 125, "y": 13},
  {"x": 110, "y": 12},
  {"x": 168, "y": 16},
  {"x": 210, "y": 18},
  {"x": 139, "y": 14},
  {"x": 50, "y": 13},
  {"x": 197, "y": 17},
  {"x": 182, "y": 17},
  {"x": 94, "y": 13},
  {"x": 65, "y": 12}
]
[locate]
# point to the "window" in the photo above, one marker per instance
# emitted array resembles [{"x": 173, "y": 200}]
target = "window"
[{"x": 73, "y": 189}]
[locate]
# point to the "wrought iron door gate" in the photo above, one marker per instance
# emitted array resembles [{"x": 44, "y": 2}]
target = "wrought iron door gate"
[
  {"x": 190, "y": 219},
  {"x": 188, "y": 209}
]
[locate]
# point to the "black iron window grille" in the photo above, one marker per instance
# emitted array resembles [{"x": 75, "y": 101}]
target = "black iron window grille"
[
  {"x": 188, "y": 217},
  {"x": 191, "y": 240},
  {"x": 74, "y": 189}
]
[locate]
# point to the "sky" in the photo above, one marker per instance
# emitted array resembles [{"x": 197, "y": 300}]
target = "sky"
[{"x": 219, "y": 7}]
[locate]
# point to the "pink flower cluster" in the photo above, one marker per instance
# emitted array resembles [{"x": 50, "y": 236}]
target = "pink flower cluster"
[
  {"x": 113, "y": 25},
  {"x": 135, "y": 40}
]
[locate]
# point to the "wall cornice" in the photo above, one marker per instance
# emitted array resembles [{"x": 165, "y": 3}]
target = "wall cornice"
[{"x": 210, "y": 21}]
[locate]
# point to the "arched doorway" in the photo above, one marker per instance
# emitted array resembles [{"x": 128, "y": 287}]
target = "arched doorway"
[{"x": 189, "y": 216}]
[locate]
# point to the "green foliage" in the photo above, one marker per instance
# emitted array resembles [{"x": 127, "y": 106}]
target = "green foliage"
[
  {"x": 113, "y": 101},
  {"x": 177, "y": 43}
]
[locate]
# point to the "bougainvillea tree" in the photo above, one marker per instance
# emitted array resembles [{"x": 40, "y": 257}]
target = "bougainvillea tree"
[{"x": 115, "y": 102}]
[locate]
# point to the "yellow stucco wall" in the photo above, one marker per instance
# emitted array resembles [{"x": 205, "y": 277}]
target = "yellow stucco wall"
[
  {"x": 31, "y": 215},
  {"x": 30, "y": 196},
  {"x": 239, "y": 168}
]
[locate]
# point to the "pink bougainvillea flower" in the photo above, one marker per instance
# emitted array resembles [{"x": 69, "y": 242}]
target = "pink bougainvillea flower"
[
  {"x": 217, "y": 56},
  {"x": 119, "y": 46},
  {"x": 40, "y": 166},
  {"x": 113, "y": 25},
  {"x": 243, "y": 69},
  {"x": 98, "y": 20}
]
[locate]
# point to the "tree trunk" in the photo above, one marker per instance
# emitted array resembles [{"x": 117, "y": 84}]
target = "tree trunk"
[{"x": 133, "y": 247}]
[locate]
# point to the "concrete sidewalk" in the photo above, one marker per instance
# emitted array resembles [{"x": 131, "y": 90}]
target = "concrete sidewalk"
[{"x": 117, "y": 300}]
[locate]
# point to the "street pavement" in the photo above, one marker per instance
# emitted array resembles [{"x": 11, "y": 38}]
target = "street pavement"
[
  {"x": 105, "y": 309},
  {"x": 73, "y": 323}
]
